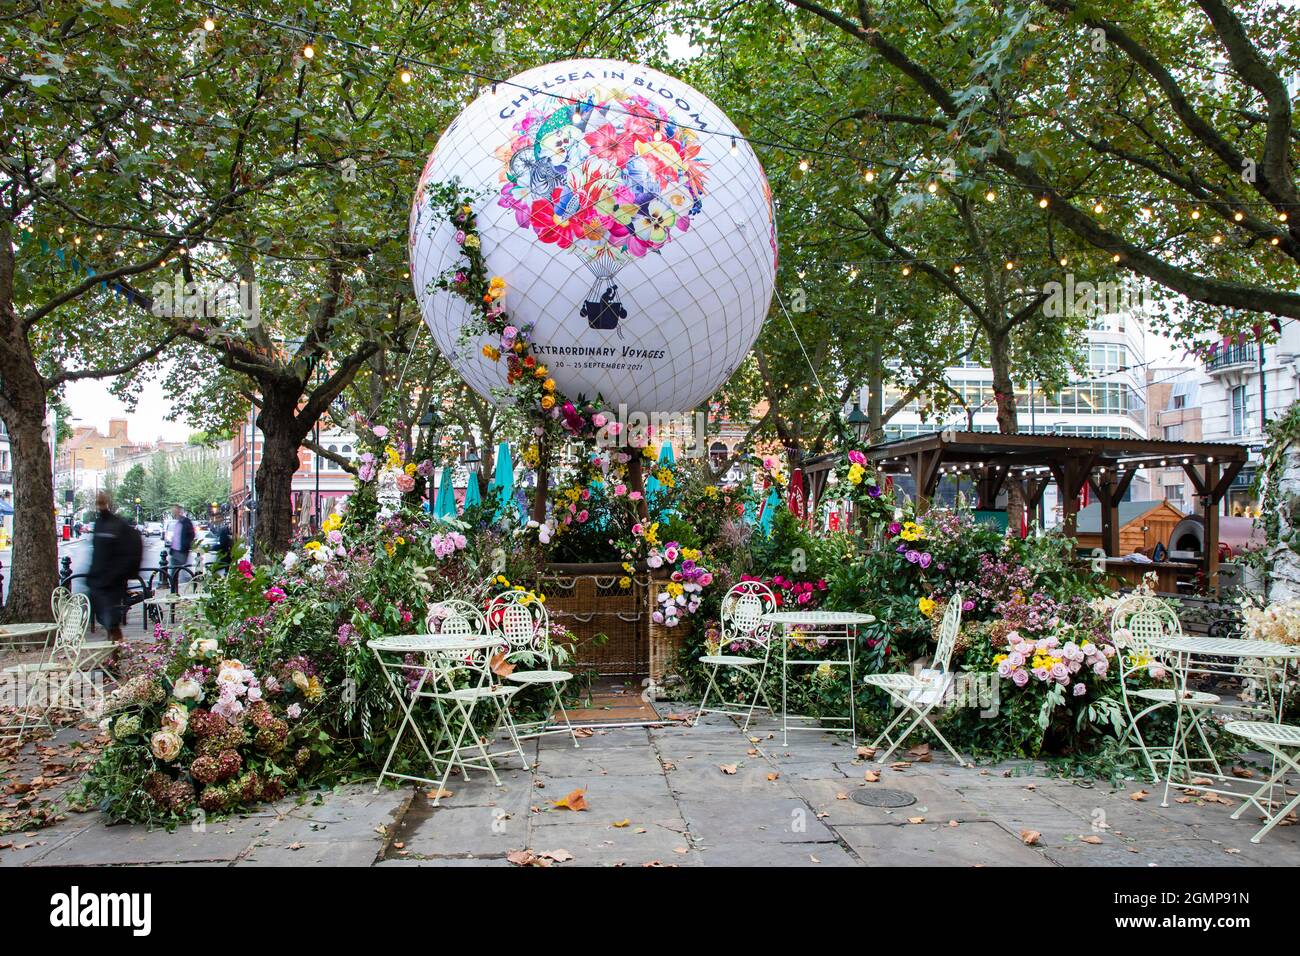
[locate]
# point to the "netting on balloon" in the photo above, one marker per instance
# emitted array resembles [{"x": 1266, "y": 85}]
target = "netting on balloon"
[{"x": 618, "y": 227}]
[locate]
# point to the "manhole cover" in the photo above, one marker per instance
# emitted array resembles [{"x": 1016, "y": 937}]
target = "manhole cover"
[{"x": 880, "y": 797}]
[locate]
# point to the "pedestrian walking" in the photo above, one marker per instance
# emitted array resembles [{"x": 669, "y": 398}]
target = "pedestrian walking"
[
  {"x": 180, "y": 538},
  {"x": 116, "y": 551}
]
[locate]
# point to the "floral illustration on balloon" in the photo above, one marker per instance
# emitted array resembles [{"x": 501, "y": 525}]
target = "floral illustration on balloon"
[{"x": 610, "y": 179}]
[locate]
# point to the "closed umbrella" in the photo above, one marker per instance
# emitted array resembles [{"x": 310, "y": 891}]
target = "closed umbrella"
[
  {"x": 769, "y": 510},
  {"x": 503, "y": 482},
  {"x": 472, "y": 497},
  {"x": 446, "y": 506}
]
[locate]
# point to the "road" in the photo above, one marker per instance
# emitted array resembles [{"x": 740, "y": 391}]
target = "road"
[{"x": 79, "y": 551}]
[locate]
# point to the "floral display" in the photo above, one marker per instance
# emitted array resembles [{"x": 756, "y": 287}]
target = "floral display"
[{"x": 610, "y": 179}]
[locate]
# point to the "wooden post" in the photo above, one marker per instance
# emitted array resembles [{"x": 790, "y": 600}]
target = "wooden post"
[
  {"x": 1211, "y": 514},
  {"x": 636, "y": 482},
  {"x": 1109, "y": 504}
]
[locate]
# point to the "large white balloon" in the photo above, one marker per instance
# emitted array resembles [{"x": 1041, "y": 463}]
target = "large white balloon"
[{"x": 634, "y": 230}]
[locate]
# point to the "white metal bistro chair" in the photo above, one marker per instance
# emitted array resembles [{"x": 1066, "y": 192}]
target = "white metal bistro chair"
[
  {"x": 64, "y": 664},
  {"x": 1282, "y": 741},
  {"x": 58, "y": 600},
  {"x": 460, "y": 618},
  {"x": 741, "y": 621},
  {"x": 1137, "y": 621},
  {"x": 524, "y": 623},
  {"x": 918, "y": 694}
]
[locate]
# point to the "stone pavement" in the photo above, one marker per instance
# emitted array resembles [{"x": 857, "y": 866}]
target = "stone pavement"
[{"x": 699, "y": 796}]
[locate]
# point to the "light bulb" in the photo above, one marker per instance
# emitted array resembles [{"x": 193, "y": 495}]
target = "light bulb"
[
  {"x": 209, "y": 24},
  {"x": 1042, "y": 203},
  {"x": 990, "y": 196},
  {"x": 308, "y": 51},
  {"x": 406, "y": 76}
]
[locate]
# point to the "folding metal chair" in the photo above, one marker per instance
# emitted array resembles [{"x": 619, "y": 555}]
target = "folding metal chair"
[
  {"x": 62, "y": 666},
  {"x": 919, "y": 694},
  {"x": 522, "y": 621},
  {"x": 1138, "y": 620},
  {"x": 1282, "y": 741},
  {"x": 741, "y": 621}
]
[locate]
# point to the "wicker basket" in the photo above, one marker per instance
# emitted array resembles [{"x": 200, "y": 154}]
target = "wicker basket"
[
  {"x": 586, "y": 599},
  {"x": 665, "y": 642}
]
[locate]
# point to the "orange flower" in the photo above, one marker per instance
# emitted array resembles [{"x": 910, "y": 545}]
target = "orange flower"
[
  {"x": 548, "y": 402},
  {"x": 549, "y": 385}
]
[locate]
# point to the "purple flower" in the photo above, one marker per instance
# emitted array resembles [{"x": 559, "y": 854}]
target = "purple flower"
[
  {"x": 913, "y": 557},
  {"x": 968, "y": 605},
  {"x": 925, "y": 559},
  {"x": 895, "y": 527},
  {"x": 874, "y": 491},
  {"x": 1080, "y": 689}
]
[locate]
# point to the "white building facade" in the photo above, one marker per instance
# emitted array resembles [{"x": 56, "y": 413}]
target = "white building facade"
[{"x": 1105, "y": 402}]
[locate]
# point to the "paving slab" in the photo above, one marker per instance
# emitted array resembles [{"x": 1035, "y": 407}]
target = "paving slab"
[
  {"x": 750, "y": 818},
  {"x": 330, "y": 853},
  {"x": 968, "y": 844},
  {"x": 120, "y": 845},
  {"x": 779, "y": 855},
  {"x": 449, "y": 831}
]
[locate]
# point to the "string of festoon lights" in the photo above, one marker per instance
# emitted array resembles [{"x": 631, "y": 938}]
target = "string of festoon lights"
[{"x": 933, "y": 176}]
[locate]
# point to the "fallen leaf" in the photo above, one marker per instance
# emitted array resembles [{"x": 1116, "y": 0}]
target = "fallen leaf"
[
  {"x": 921, "y": 753},
  {"x": 1200, "y": 781},
  {"x": 577, "y": 800},
  {"x": 399, "y": 846},
  {"x": 295, "y": 846},
  {"x": 900, "y": 765},
  {"x": 1244, "y": 773},
  {"x": 559, "y": 856},
  {"x": 500, "y": 666},
  {"x": 620, "y": 824},
  {"x": 841, "y": 796},
  {"x": 916, "y": 819},
  {"x": 583, "y": 732},
  {"x": 871, "y": 776},
  {"x": 526, "y": 858},
  {"x": 1090, "y": 839},
  {"x": 866, "y": 753},
  {"x": 440, "y": 794},
  {"x": 1138, "y": 795},
  {"x": 728, "y": 768},
  {"x": 953, "y": 823},
  {"x": 772, "y": 776},
  {"x": 1030, "y": 837},
  {"x": 813, "y": 858},
  {"x": 681, "y": 849}
]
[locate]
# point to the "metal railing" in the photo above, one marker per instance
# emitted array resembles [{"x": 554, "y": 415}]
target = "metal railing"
[{"x": 1233, "y": 355}]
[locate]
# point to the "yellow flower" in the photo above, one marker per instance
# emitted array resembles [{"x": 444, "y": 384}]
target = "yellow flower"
[
  {"x": 539, "y": 372},
  {"x": 711, "y": 491},
  {"x": 625, "y": 582},
  {"x": 501, "y": 580},
  {"x": 314, "y": 689},
  {"x": 333, "y": 522},
  {"x": 925, "y": 605},
  {"x": 856, "y": 473},
  {"x": 312, "y": 546},
  {"x": 497, "y": 283},
  {"x": 519, "y": 346},
  {"x": 548, "y": 402},
  {"x": 491, "y": 352},
  {"x": 674, "y": 589},
  {"x": 410, "y": 468},
  {"x": 998, "y": 659},
  {"x": 471, "y": 241},
  {"x": 912, "y": 531},
  {"x": 627, "y": 567},
  {"x": 651, "y": 534},
  {"x": 647, "y": 451},
  {"x": 549, "y": 385}
]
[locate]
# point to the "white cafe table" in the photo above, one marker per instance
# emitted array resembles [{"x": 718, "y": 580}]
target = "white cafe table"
[
  {"x": 436, "y": 658},
  {"x": 24, "y": 635},
  {"x": 819, "y": 628},
  {"x": 1224, "y": 657}
]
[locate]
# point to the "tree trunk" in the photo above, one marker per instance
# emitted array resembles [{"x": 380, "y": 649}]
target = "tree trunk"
[
  {"x": 876, "y": 395},
  {"x": 281, "y": 436},
  {"x": 33, "y": 573},
  {"x": 1004, "y": 392}
]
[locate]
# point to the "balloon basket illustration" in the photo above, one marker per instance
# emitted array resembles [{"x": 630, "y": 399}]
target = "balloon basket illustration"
[{"x": 602, "y": 310}]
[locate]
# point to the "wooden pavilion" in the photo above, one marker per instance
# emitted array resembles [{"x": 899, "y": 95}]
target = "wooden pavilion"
[{"x": 1107, "y": 465}]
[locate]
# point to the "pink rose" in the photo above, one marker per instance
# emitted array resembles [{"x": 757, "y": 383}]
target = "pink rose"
[{"x": 381, "y": 431}]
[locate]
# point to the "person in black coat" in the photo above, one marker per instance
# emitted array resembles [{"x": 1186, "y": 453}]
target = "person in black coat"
[{"x": 116, "y": 550}]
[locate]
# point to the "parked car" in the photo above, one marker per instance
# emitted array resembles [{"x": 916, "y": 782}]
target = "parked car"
[
  {"x": 152, "y": 529},
  {"x": 209, "y": 540}
]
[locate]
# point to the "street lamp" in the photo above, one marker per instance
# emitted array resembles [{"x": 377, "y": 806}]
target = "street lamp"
[
  {"x": 859, "y": 423},
  {"x": 137, "y": 511},
  {"x": 430, "y": 419}
]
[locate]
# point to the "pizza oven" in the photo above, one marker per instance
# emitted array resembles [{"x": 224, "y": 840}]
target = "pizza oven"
[{"x": 1187, "y": 540}]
